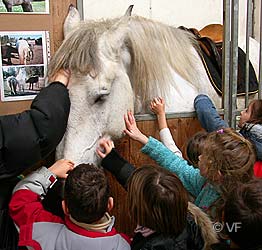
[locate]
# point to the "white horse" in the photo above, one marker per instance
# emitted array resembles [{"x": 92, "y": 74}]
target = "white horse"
[
  {"x": 121, "y": 64},
  {"x": 12, "y": 83},
  {"x": 24, "y": 51},
  {"x": 21, "y": 79}
]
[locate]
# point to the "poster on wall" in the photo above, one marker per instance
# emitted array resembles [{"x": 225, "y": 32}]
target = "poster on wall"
[
  {"x": 24, "y": 6},
  {"x": 23, "y": 65}
]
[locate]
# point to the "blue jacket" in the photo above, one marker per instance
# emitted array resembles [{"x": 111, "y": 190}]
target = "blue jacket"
[
  {"x": 253, "y": 132},
  {"x": 197, "y": 185}
]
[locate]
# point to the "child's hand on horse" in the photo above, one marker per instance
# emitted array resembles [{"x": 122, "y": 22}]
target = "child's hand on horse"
[
  {"x": 132, "y": 130},
  {"x": 157, "y": 105},
  {"x": 61, "y": 168},
  {"x": 105, "y": 147}
]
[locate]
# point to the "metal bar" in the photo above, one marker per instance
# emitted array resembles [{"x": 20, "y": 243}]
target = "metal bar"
[
  {"x": 260, "y": 56},
  {"x": 226, "y": 58},
  {"x": 248, "y": 34},
  {"x": 149, "y": 117},
  {"x": 80, "y": 8},
  {"x": 234, "y": 62}
]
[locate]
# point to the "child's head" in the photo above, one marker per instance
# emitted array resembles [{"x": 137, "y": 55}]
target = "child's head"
[
  {"x": 195, "y": 147},
  {"x": 253, "y": 114},
  {"x": 157, "y": 200},
  {"x": 243, "y": 215},
  {"x": 86, "y": 193},
  {"x": 227, "y": 158}
]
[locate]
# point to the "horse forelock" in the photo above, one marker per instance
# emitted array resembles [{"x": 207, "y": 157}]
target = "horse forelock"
[
  {"x": 79, "y": 51},
  {"x": 156, "y": 49}
]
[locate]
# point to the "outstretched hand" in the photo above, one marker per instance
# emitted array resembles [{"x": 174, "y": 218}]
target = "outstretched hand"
[
  {"x": 61, "y": 168},
  {"x": 105, "y": 147},
  {"x": 157, "y": 105},
  {"x": 132, "y": 130}
]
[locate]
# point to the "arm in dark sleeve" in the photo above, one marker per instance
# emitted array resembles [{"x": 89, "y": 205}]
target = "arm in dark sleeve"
[
  {"x": 118, "y": 166},
  {"x": 28, "y": 137}
]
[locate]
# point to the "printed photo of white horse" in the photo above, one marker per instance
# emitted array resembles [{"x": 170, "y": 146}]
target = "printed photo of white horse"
[
  {"x": 22, "y": 83},
  {"x": 21, "y": 49},
  {"x": 121, "y": 64}
]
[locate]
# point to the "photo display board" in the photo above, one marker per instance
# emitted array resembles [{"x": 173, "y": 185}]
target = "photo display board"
[{"x": 24, "y": 57}]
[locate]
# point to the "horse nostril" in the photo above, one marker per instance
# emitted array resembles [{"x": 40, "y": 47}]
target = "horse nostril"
[{"x": 99, "y": 99}]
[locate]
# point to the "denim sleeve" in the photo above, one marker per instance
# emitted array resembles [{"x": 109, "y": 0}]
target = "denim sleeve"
[
  {"x": 207, "y": 114},
  {"x": 190, "y": 177}
]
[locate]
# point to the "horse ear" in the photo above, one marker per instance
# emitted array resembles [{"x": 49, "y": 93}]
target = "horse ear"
[
  {"x": 114, "y": 37},
  {"x": 129, "y": 10},
  {"x": 72, "y": 20}
]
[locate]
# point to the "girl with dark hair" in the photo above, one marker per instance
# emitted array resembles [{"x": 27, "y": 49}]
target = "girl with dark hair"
[
  {"x": 243, "y": 217},
  {"x": 157, "y": 200}
]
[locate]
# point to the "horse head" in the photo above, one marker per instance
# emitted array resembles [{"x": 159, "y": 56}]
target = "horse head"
[
  {"x": 100, "y": 90},
  {"x": 120, "y": 64}
]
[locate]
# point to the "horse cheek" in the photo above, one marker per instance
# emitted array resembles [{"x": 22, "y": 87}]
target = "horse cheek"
[{"x": 121, "y": 100}]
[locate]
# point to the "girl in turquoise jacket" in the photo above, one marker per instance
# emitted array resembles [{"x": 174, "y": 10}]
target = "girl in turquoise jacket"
[{"x": 228, "y": 159}]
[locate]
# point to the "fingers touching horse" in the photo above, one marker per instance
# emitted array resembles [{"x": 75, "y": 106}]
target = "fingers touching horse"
[{"x": 121, "y": 64}]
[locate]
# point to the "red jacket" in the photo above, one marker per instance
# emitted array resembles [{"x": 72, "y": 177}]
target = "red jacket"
[{"x": 258, "y": 169}]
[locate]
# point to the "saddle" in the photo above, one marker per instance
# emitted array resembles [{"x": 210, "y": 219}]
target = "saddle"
[{"x": 210, "y": 40}]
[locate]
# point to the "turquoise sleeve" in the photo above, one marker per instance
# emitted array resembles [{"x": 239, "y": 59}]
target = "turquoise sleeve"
[{"x": 190, "y": 176}]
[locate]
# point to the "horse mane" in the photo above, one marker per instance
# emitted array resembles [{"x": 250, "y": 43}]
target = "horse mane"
[
  {"x": 78, "y": 52},
  {"x": 156, "y": 49}
]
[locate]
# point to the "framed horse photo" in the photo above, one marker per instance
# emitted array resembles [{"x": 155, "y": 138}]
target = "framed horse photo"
[
  {"x": 23, "y": 65},
  {"x": 24, "y": 6}
]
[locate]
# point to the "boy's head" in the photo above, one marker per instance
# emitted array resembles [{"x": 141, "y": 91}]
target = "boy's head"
[
  {"x": 86, "y": 194},
  {"x": 243, "y": 215},
  {"x": 157, "y": 200},
  {"x": 227, "y": 158}
]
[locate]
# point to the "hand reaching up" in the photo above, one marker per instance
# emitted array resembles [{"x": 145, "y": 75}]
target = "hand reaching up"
[
  {"x": 105, "y": 147},
  {"x": 157, "y": 105},
  {"x": 132, "y": 130},
  {"x": 61, "y": 168}
]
